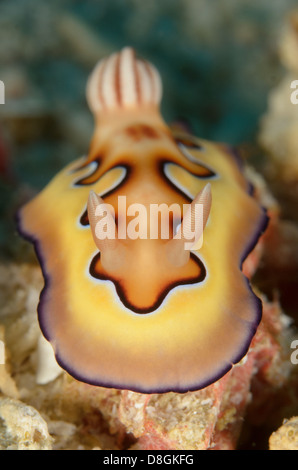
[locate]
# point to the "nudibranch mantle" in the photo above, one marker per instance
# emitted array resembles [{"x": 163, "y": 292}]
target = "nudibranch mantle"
[{"x": 124, "y": 313}]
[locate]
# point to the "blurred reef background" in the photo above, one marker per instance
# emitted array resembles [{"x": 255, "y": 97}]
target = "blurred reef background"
[{"x": 218, "y": 60}]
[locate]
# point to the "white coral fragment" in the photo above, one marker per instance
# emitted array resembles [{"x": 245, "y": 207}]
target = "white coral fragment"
[
  {"x": 286, "y": 437},
  {"x": 47, "y": 366},
  {"x": 22, "y": 427}
]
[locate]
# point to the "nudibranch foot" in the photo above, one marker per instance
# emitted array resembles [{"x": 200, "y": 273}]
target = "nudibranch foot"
[{"x": 125, "y": 305}]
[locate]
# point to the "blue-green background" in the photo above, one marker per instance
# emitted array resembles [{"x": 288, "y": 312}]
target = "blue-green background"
[{"x": 218, "y": 60}]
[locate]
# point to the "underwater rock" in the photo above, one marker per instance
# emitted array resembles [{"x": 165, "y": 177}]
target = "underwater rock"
[
  {"x": 279, "y": 138},
  {"x": 211, "y": 418},
  {"x": 286, "y": 437},
  {"x": 279, "y": 126}
]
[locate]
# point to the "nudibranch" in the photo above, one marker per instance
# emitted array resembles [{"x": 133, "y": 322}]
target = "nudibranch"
[{"x": 140, "y": 313}]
